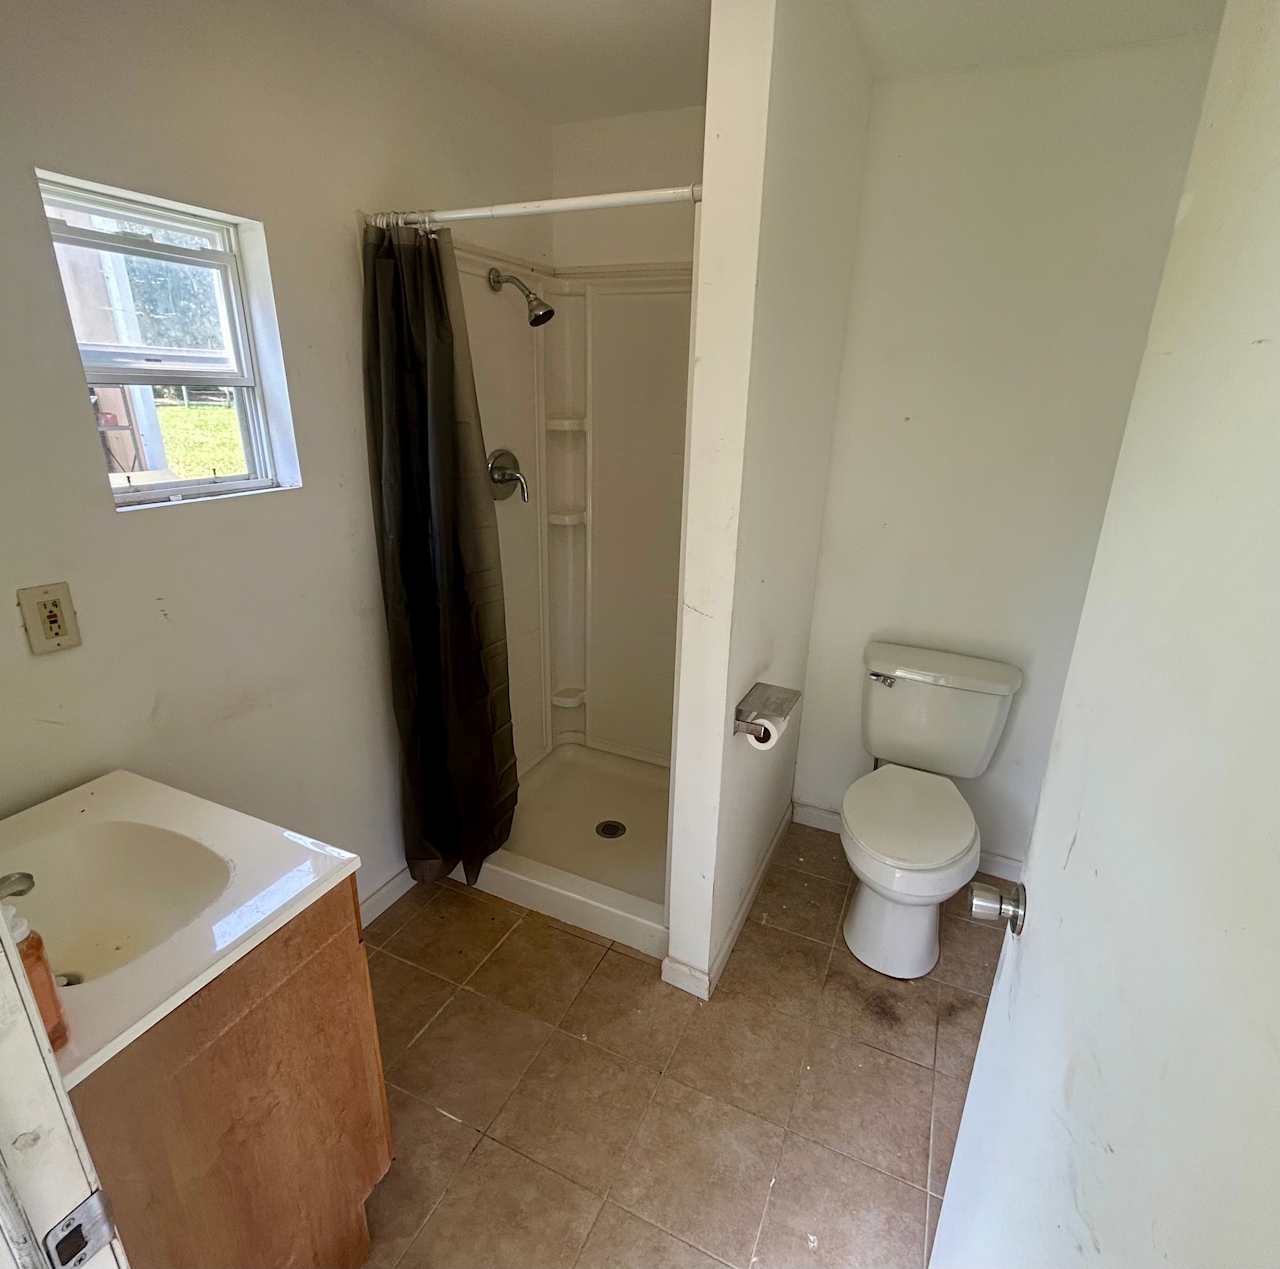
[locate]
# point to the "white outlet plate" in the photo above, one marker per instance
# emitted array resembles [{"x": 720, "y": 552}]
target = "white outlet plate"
[{"x": 50, "y": 617}]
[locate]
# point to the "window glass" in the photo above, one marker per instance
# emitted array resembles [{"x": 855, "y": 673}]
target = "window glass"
[
  {"x": 153, "y": 433},
  {"x": 163, "y": 310},
  {"x": 158, "y": 296}
]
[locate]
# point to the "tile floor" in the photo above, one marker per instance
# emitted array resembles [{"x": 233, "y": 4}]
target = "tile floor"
[{"x": 554, "y": 1103}]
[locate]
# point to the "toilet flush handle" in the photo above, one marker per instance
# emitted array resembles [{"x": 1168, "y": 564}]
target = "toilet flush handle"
[{"x": 986, "y": 903}]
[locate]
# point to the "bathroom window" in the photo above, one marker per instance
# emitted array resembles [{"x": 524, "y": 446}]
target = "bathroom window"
[{"x": 175, "y": 322}]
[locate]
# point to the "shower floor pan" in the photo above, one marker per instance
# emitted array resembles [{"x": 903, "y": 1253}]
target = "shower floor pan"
[{"x": 555, "y": 861}]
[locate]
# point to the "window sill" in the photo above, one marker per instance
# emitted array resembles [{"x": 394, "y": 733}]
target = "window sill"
[{"x": 212, "y": 495}]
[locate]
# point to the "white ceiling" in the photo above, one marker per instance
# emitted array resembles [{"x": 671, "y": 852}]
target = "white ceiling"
[
  {"x": 574, "y": 59},
  {"x": 911, "y": 36},
  {"x": 585, "y": 59}
]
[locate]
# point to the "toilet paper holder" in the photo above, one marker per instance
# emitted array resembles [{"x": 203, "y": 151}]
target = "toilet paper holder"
[{"x": 764, "y": 700}]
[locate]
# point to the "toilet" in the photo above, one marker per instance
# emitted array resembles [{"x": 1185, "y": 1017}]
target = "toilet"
[{"x": 907, "y": 831}]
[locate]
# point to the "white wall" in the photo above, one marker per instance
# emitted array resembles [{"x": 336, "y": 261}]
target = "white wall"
[
  {"x": 1124, "y": 1105},
  {"x": 236, "y": 648},
  {"x": 775, "y": 252},
  {"x": 1009, "y": 248},
  {"x": 642, "y": 151}
]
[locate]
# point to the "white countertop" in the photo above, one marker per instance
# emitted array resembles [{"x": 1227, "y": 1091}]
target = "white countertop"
[{"x": 272, "y": 875}]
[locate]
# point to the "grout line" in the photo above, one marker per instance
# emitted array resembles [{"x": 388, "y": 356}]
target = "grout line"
[
  {"x": 404, "y": 960},
  {"x": 417, "y": 1035},
  {"x": 364, "y": 929},
  {"x": 649, "y": 1220},
  {"x": 448, "y": 1184},
  {"x": 577, "y": 1255},
  {"x": 844, "y": 1154},
  {"x": 768, "y": 1198},
  {"x": 485, "y": 958},
  {"x": 804, "y": 872}
]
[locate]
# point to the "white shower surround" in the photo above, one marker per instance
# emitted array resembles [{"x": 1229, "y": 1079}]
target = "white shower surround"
[{"x": 542, "y": 408}]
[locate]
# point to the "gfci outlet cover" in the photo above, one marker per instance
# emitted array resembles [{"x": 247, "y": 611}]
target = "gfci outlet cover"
[{"x": 49, "y": 617}]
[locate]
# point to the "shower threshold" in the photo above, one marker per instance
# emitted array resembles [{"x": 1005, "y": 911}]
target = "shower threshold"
[{"x": 558, "y": 860}]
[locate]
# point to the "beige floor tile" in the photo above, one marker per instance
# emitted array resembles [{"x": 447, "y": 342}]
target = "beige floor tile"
[
  {"x": 948, "y": 1102},
  {"x": 538, "y": 969},
  {"x": 894, "y": 1014},
  {"x": 931, "y": 1227},
  {"x": 542, "y": 919},
  {"x": 470, "y": 1058},
  {"x": 405, "y": 999},
  {"x": 474, "y": 892},
  {"x": 382, "y": 927},
  {"x": 429, "y": 1149},
  {"x": 778, "y": 970},
  {"x": 744, "y": 1054},
  {"x": 576, "y": 1110},
  {"x": 627, "y": 1008},
  {"x": 830, "y": 1212},
  {"x": 622, "y": 1241},
  {"x": 636, "y": 954},
  {"x": 867, "y": 1104},
  {"x": 960, "y": 1018},
  {"x": 504, "y": 1211},
  {"x": 968, "y": 955},
  {"x": 452, "y": 934},
  {"x": 700, "y": 1169},
  {"x": 814, "y": 851},
  {"x": 799, "y": 903}
]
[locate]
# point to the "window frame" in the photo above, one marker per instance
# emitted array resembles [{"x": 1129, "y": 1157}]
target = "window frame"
[{"x": 252, "y": 368}]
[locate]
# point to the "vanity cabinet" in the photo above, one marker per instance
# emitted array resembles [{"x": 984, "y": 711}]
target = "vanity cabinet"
[{"x": 248, "y": 1126}]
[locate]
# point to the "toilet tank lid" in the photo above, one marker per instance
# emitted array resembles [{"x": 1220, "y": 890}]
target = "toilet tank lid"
[{"x": 943, "y": 669}]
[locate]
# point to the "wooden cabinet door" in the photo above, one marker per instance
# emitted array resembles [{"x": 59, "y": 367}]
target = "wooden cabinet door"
[{"x": 248, "y": 1127}]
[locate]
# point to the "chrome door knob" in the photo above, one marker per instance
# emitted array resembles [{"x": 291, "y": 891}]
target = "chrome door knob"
[{"x": 986, "y": 903}]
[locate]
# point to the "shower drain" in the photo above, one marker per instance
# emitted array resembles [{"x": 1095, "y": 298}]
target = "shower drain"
[{"x": 610, "y": 828}]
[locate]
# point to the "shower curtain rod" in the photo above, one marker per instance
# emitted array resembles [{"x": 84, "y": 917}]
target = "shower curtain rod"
[{"x": 544, "y": 206}]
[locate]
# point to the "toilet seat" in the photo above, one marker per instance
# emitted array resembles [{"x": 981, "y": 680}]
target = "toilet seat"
[{"x": 910, "y": 820}]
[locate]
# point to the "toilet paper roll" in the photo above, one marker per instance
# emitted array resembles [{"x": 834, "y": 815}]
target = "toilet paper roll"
[{"x": 774, "y": 728}]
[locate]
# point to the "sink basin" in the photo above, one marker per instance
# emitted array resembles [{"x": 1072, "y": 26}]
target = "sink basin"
[
  {"x": 107, "y": 892},
  {"x": 147, "y": 893}
]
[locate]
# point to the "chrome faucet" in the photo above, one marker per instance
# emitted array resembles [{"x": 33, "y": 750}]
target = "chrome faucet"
[{"x": 16, "y": 883}]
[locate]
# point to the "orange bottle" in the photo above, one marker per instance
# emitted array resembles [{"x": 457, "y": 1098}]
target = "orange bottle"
[{"x": 43, "y": 988}]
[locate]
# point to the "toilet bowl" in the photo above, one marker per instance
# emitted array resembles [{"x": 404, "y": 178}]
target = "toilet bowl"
[{"x": 912, "y": 842}]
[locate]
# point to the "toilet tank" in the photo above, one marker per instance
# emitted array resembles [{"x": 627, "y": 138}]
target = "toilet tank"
[{"x": 936, "y": 711}]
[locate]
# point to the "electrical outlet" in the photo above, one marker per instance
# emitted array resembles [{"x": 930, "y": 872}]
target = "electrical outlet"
[{"x": 49, "y": 617}]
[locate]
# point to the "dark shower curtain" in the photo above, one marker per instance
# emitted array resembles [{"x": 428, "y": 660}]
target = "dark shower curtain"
[{"x": 438, "y": 552}]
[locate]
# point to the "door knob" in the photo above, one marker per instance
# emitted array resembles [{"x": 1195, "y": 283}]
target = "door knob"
[
  {"x": 986, "y": 903},
  {"x": 505, "y": 475}
]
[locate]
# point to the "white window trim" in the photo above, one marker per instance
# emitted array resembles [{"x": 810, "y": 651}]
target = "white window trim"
[{"x": 260, "y": 373}]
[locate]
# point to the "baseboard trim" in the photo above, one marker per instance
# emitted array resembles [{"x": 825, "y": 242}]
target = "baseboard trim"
[
  {"x": 726, "y": 947},
  {"x": 385, "y": 895},
  {"x": 817, "y": 817},
  {"x": 695, "y": 981},
  {"x": 702, "y": 983},
  {"x": 1001, "y": 866}
]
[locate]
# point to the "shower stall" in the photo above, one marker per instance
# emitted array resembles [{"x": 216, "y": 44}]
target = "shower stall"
[{"x": 583, "y": 385}]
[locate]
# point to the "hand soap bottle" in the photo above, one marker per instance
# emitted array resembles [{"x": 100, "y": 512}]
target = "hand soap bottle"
[{"x": 43, "y": 988}]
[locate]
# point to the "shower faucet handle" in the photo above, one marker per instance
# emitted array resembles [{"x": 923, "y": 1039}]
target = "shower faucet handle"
[{"x": 505, "y": 474}]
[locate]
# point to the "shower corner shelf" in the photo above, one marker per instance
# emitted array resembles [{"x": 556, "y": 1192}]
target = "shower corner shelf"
[
  {"x": 569, "y": 697},
  {"x": 567, "y": 517},
  {"x": 566, "y": 423}
]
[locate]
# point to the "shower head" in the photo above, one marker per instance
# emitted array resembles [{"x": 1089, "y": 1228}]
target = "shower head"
[{"x": 540, "y": 312}]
